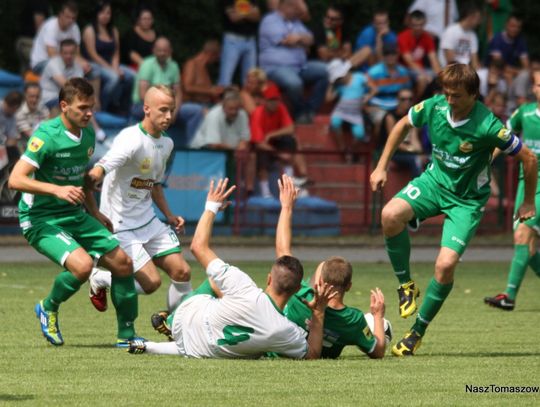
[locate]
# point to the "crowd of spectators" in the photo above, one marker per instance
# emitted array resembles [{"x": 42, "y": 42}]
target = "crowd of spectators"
[{"x": 274, "y": 68}]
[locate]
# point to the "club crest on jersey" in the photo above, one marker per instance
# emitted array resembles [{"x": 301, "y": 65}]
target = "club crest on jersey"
[
  {"x": 504, "y": 134},
  {"x": 465, "y": 147},
  {"x": 418, "y": 107},
  {"x": 35, "y": 144},
  {"x": 146, "y": 165},
  {"x": 367, "y": 332},
  {"x": 90, "y": 151}
]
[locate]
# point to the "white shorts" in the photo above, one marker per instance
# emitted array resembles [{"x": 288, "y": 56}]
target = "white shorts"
[{"x": 152, "y": 240}]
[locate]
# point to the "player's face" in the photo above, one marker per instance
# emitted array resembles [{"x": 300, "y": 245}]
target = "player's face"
[
  {"x": 459, "y": 100},
  {"x": 536, "y": 85},
  {"x": 79, "y": 112},
  {"x": 160, "y": 111}
]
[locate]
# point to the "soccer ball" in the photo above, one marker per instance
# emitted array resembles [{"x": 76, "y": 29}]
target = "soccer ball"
[{"x": 388, "y": 331}]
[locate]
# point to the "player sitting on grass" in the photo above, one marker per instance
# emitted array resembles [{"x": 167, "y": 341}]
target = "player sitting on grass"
[
  {"x": 135, "y": 168},
  {"x": 525, "y": 120},
  {"x": 246, "y": 322},
  {"x": 343, "y": 325},
  {"x": 51, "y": 176},
  {"x": 464, "y": 134}
]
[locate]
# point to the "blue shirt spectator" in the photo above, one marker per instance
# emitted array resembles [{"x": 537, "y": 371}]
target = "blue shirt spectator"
[
  {"x": 509, "y": 45},
  {"x": 372, "y": 38}
]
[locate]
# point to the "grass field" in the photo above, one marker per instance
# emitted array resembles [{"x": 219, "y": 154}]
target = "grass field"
[{"x": 468, "y": 344}]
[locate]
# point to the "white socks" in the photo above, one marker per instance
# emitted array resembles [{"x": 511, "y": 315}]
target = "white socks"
[{"x": 177, "y": 291}]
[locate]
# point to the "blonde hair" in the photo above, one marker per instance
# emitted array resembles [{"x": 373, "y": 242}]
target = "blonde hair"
[{"x": 259, "y": 74}]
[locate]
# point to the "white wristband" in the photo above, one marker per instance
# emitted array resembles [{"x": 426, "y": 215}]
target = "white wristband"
[{"x": 212, "y": 206}]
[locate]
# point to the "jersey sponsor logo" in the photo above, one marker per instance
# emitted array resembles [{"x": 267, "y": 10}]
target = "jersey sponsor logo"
[
  {"x": 418, "y": 107},
  {"x": 466, "y": 147},
  {"x": 504, "y": 134},
  {"x": 442, "y": 108},
  {"x": 63, "y": 155},
  {"x": 35, "y": 144},
  {"x": 146, "y": 165},
  {"x": 139, "y": 183}
]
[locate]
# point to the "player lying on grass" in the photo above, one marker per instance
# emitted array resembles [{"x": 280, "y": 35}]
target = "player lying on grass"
[
  {"x": 464, "y": 134},
  {"x": 342, "y": 325},
  {"x": 525, "y": 120},
  {"x": 134, "y": 168},
  {"x": 51, "y": 176},
  {"x": 246, "y": 322}
]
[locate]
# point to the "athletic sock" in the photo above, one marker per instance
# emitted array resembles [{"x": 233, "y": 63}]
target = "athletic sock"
[
  {"x": 124, "y": 298},
  {"x": 64, "y": 286},
  {"x": 534, "y": 263},
  {"x": 138, "y": 288},
  {"x": 177, "y": 291},
  {"x": 517, "y": 270},
  {"x": 399, "y": 251},
  {"x": 434, "y": 298}
]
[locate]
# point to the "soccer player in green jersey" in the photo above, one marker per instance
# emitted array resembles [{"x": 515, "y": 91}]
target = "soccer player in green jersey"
[
  {"x": 464, "y": 134},
  {"x": 343, "y": 325},
  {"x": 525, "y": 120},
  {"x": 51, "y": 175}
]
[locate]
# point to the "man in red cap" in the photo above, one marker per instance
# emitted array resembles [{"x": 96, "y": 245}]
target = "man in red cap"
[{"x": 272, "y": 134}]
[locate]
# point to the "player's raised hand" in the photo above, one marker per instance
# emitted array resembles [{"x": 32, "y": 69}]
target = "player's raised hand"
[
  {"x": 323, "y": 293},
  {"x": 73, "y": 195},
  {"x": 287, "y": 191},
  {"x": 377, "y": 179},
  {"x": 218, "y": 192},
  {"x": 377, "y": 306}
]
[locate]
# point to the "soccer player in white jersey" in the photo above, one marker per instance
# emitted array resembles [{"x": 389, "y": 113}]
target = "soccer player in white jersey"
[
  {"x": 245, "y": 322},
  {"x": 133, "y": 170}
]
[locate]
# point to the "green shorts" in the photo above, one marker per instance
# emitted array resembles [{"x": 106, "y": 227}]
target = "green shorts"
[
  {"x": 463, "y": 216},
  {"x": 533, "y": 223},
  {"x": 57, "y": 237}
]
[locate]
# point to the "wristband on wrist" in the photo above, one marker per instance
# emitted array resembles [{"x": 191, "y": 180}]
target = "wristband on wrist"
[{"x": 212, "y": 206}]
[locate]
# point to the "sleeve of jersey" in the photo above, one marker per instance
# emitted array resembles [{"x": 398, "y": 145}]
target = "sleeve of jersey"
[
  {"x": 508, "y": 142},
  {"x": 229, "y": 279},
  {"x": 419, "y": 113},
  {"x": 36, "y": 150},
  {"x": 365, "y": 339},
  {"x": 120, "y": 152}
]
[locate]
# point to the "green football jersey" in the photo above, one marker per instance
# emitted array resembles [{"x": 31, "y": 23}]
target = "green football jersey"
[
  {"x": 526, "y": 120},
  {"x": 60, "y": 158},
  {"x": 342, "y": 327},
  {"x": 462, "y": 151}
]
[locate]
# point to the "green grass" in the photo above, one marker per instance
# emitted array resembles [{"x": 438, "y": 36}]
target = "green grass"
[{"x": 468, "y": 343}]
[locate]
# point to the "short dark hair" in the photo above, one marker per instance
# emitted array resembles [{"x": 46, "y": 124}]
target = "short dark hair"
[
  {"x": 71, "y": 6},
  {"x": 468, "y": 10},
  {"x": 30, "y": 85},
  {"x": 287, "y": 274},
  {"x": 456, "y": 75},
  {"x": 338, "y": 272},
  {"x": 418, "y": 15},
  {"x": 68, "y": 42},
  {"x": 75, "y": 87},
  {"x": 13, "y": 99}
]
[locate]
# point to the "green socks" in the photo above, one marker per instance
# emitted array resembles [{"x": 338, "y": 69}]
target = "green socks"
[
  {"x": 434, "y": 298},
  {"x": 64, "y": 286},
  {"x": 534, "y": 263},
  {"x": 519, "y": 264},
  {"x": 399, "y": 252},
  {"x": 124, "y": 298}
]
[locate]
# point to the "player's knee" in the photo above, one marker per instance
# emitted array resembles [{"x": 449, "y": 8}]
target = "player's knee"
[
  {"x": 151, "y": 285},
  {"x": 182, "y": 273},
  {"x": 124, "y": 266},
  {"x": 521, "y": 236},
  {"x": 391, "y": 219},
  {"x": 445, "y": 266}
]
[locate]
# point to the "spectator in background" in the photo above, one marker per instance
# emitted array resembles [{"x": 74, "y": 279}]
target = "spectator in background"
[
  {"x": 272, "y": 135},
  {"x": 416, "y": 45},
  {"x": 139, "y": 41},
  {"x": 389, "y": 78},
  {"x": 303, "y": 10},
  {"x": 439, "y": 15},
  {"x": 496, "y": 13},
  {"x": 331, "y": 39},
  {"x": 510, "y": 46},
  {"x": 240, "y": 24},
  {"x": 226, "y": 125},
  {"x": 370, "y": 41},
  {"x": 459, "y": 42},
  {"x": 31, "y": 113},
  {"x": 521, "y": 90},
  {"x": 252, "y": 92},
  {"x": 283, "y": 41},
  {"x": 101, "y": 46},
  {"x": 408, "y": 152},
  {"x": 196, "y": 81},
  {"x": 160, "y": 69},
  {"x": 9, "y": 136},
  {"x": 33, "y": 15},
  {"x": 52, "y": 32}
]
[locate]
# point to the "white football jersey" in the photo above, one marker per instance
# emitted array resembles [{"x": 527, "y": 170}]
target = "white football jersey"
[
  {"x": 135, "y": 162},
  {"x": 244, "y": 323}
]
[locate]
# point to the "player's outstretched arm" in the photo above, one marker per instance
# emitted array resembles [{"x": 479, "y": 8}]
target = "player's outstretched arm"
[
  {"x": 323, "y": 293},
  {"x": 20, "y": 180},
  {"x": 159, "y": 199},
  {"x": 216, "y": 200},
  {"x": 395, "y": 138},
  {"x": 527, "y": 209},
  {"x": 377, "y": 309},
  {"x": 287, "y": 196}
]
